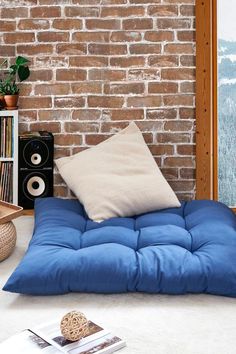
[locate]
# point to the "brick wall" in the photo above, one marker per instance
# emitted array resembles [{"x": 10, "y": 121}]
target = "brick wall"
[{"x": 98, "y": 64}]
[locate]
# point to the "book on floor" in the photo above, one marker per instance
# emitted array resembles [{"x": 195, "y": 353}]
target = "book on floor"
[{"x": 47, "y": 339}]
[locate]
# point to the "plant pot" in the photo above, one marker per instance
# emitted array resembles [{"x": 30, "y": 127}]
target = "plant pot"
[
  {"x": 11, "y": 101},
  {"x": 2, "y": 101}
]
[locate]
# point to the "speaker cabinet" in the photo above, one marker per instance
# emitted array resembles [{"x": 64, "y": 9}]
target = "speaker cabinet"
[{"x": 35, "y": 167}]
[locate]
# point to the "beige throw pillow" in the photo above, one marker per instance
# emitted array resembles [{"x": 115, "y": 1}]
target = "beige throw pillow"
[{"x": 118, "y": 177}]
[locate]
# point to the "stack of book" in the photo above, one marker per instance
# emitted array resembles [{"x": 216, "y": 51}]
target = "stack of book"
[
  {"x": 6, "y": 128},
  {"x": 47, "y": 339},
  {"x": 6, "y": 181}
]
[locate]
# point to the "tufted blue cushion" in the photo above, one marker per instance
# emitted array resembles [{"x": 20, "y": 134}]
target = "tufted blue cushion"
[{"x": 175, "y": 251}]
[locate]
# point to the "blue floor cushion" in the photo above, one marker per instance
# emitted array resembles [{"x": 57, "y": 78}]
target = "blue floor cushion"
[{"x": 191, "y": 249}]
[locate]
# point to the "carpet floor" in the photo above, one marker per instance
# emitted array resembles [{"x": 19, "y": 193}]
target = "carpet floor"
[{"x": 155, "y": 324}]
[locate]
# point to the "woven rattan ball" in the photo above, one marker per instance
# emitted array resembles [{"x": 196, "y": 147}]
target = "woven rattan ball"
[
  {"x": 74, "y": 325},
  {"x": 7, "y": 239}
]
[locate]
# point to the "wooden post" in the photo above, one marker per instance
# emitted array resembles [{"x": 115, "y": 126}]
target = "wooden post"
[{"x": 204, "y": 99}]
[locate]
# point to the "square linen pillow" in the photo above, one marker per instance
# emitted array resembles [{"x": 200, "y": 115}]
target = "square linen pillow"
[{"x": 118, "y": 177}]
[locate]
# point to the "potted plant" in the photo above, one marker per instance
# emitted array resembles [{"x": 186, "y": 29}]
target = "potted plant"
[{"x": 8, "y": 86}]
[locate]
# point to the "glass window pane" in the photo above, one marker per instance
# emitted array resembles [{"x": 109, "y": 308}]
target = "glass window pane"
[{"x": 227, "y": 101}]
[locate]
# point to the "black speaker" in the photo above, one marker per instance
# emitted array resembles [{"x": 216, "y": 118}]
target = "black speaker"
[{"x": 35, "y": 167}]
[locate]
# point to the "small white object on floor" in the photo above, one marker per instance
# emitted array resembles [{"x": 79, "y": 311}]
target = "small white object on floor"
[{"x": 157, "y": 324}]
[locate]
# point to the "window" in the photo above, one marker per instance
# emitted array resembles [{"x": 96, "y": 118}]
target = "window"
[{"x": 216, "y": 100}]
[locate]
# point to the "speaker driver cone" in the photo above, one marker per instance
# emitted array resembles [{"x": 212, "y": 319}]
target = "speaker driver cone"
[
  {"x": 34, "y": 186},
  {"x": 36, "y": 159},
  {"x": 35, "y": 153}
]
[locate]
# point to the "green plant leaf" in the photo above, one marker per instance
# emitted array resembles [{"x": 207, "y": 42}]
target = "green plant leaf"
[
  {"x": 13, "y": 69},
  {"x": 23, "y": 73},
  {"x": 21, "y": 60}
]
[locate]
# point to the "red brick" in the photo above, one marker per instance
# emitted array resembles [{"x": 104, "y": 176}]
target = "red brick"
[
  {"x": 162, "y": 87},
  {"x": 79, "y": 127},
  {"x": 28, "y": 24},
  {"x": 102, "y": 24},
  {"x": 170, "y": 173},
  {"x": 178, "y": 162},
  {"x": 34, "y": 49},
  {"x": 161, "y": 149},
  {"x": 179, "y": 48},
  {"x": 124, "y": 88},
  {"x": 86, "y": 114},
  {"x": 188, "y": 87},
  {"x": 7, "y": 50},
  {"x": 94, "y": 139},
  {"x": 91, "y": 37},
  {"x": 69, "y": 102},
  {"x": 53, "y": 115},
  {"x": 71, "y": 48},
  {"x": 18, "y": 37},
  {"x": 149, "y": 101},
  {"x": 181, "y": 186},
  {"x": 35, "y": 102},
  {"x": 164, "y": 113},
  {"x": 173, "y": 138},
  {"x": 178, "y": 125},
  {"x": 188, "y": 173},
  {"x": 70, "y": 75},
  {"x": 28, "y": 116},
  {"x": 178, "y": 100},
  {"x": 113, "y": 127},
  {"x": 126, "y": 11},
  {"x": 186, "y": 149},
  {"x": 169, "y": 23},
  {"x": 7, "y": 26},
  {"x": 159, "y": 36},
  {"x": 188, "y": 60},
  {"x": 127, "y": 62},
  {"x": 52, "y": 89},
  {"x": 39, "y": 75},
  {"x": 25, "y": 89},
  {"x": 163, "y": 10},
  {"x": 124, "y": 114},
  {"x": 67, "y": 139},
  {"x": 45, "y": 11},
  {"x": 178, "y": 74},
  {"x": 49, "y": 36},
  {"x": 107, "y": 49},
  {"x": 187, "y": 113},
  {"x": 138, "y": 24},
  {"x": 144, "y": 74},
  {"x": 86, "y": 87},
  {"x": 105, "y": 101},
  {"x": 67, "y": 24},
  {"x": 150, "y": 126},
  {"x": 186, "y": 36},
  {"x": 88, "y": 61},
  {"x": 52, "y": 61},
  {"x": 14, "y": 12},
  {"x": 60, "y": 191},
  {"x": 54, "y": 127},
  {"x": 163, "y": 60},
  {"x": 144, "y": 1},
  {"x": 106, "y": 74},
  {"x": 125, "y": 36},
  {"x": 187, "y": 10},
  {"x": 87, "y": 2},
  {"x": 145, "y": 48},
  {"x": 76, "y": 11}
]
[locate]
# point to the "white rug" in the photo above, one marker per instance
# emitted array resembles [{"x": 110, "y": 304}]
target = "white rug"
[{"x": 155, "y": 324}]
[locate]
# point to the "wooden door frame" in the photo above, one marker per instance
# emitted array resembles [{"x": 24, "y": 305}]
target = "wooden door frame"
[{"x": 206, "y": 100}]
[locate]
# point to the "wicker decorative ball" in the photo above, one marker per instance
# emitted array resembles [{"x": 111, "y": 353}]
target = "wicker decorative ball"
[
  {"x": 74, "y": 326},
  {"x": 7, "y": 239}
]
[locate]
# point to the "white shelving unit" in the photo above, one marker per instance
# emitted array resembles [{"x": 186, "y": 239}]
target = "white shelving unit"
[{"x": 12, "y": 114}]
